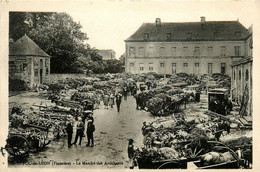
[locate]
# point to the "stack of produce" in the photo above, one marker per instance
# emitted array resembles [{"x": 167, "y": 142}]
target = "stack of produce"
[
  {"x": 22, "y": 123},
  {"x": 162, "y": 100},
  {"x": 184, "y": 78},
  {"x": 175, "y": 139},
  {"x": 215, "y": 81}
]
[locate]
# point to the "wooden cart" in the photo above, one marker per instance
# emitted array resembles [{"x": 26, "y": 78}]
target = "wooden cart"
[{"x": 33, "y": 139}]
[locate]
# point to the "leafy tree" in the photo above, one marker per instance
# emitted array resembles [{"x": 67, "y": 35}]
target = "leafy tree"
[
  {"x": 21, "y": 23},
  {"x": 61, "y": 38},
  {"x": 113, "y": 66}
]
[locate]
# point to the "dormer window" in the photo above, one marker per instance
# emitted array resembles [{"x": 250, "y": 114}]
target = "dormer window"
[
  {"x": 189, "y": 35},
  {"x": 146, "y": 36},
  {"x": 168, "y": 36}
]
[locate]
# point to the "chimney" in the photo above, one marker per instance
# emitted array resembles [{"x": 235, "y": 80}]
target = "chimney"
[
  {"x": 202, "y": 19},
  {"x": 158, "y": 22},
  {"x": 203, "y": 22}
]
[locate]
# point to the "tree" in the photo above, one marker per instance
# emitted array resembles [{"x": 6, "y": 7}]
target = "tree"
[
  {"x": 122, "y": 59},
  {"x": 21, "y": 23},
  {"x": 56, "y": 33},
  {"x": 62, "y": 39},
  {"x": 113, "y": 66}
]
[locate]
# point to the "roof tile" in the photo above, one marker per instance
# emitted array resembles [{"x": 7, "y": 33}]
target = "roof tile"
[
  {"x": 211, "y": 30},
  {"x": 26, "y": 47}
]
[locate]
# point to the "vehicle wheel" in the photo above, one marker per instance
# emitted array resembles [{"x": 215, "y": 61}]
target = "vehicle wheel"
[
  {"x": 17, "y": 146},
  {"x": 170, "y": 165}
]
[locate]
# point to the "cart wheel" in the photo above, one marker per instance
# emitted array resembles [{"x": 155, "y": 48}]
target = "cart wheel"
[
  {"x": 17, "y": 146},
  {"x": 170, "y": 165}
]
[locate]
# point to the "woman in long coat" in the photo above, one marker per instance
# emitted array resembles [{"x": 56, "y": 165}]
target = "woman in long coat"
[
  {"x": 111, "y": 100},
  {"x": 106, "y": 100}
]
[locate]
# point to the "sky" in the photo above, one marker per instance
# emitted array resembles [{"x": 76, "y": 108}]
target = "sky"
[{"x": 109, "y": 24}]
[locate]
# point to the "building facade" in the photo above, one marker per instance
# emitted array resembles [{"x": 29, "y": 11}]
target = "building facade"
[
  {"x": 241, "y": 79},
  {"x": 107, "y": 54},
  {"x": 194, "y": 48},
  {"x": 28, "y": 62}
]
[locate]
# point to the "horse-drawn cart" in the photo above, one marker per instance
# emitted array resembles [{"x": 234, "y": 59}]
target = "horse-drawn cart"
[
  {"x": 216, "y": 156},
  {"x": 30, "y": 138}
]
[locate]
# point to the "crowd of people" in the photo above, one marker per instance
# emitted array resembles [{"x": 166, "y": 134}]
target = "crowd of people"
[
  {"x": 84, "y": 116},
  {"x": 82, "y": 123}
]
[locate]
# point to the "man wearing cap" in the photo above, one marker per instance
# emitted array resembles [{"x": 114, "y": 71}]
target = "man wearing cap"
[
  {"x": 80, "y": 131},
  {"x": 90, "y": 131}
]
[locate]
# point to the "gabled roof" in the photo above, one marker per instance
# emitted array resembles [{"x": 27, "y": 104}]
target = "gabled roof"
[
  {"x": 26, "y": 47},
  {"x": 200, "y": 31}
]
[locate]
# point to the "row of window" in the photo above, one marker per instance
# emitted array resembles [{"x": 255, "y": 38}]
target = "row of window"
[
  {"x": 168, "y": 36},
  {"x": 185, "y": 65},
  {"x": 196, "y": 52},
  {"x": 36, "y": 62},
  {"x": 23, "y": 67},
  {"x": 36, "y": 72}
]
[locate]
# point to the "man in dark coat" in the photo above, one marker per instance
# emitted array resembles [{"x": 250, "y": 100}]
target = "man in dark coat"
[
  {"x": 118, "y": 101},
  {"x": 90, "y": 131},
  {"x": 125, "y": 92},
  {"x": 69, "y": 130},
  {"x": 80, "y": 131},
  {"x": 131, "y": 153}
]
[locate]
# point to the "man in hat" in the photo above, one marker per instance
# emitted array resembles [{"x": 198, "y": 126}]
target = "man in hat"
[
  {"x": 131, "y": 153},
  {"x": 69, "y": 130},
  {"x": 90, "y": 116},
  {"x": 144, "y": 132},
  {"x": 90, "y": 131},
  {"x": 118, "y": 101},
  {"x": 80, "y": 131}
]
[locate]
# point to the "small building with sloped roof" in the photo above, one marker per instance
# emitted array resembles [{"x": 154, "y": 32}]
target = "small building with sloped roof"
[
  {"x": 107, "y": 54},
  {"x": 204, "y": 47},
  {"x": 28, "y": 62}
]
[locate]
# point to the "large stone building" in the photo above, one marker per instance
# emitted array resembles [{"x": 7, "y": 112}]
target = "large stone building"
[
  {"x": 241, "y": 79},
  {"x": 28, "y": 62},
  {"x": 107, "y": 54},
  {"x": 203, "y": 47}
]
